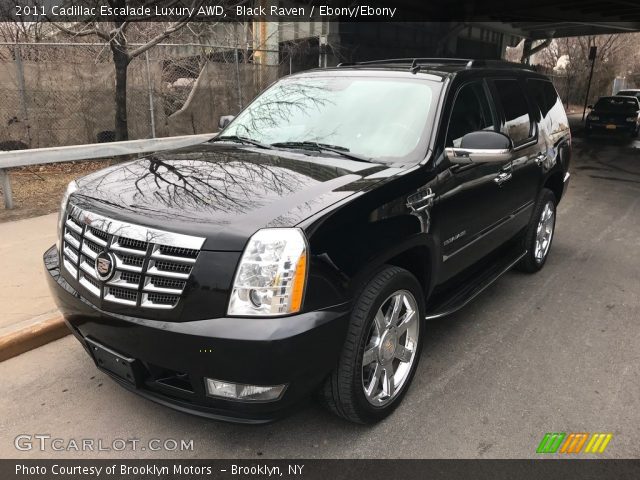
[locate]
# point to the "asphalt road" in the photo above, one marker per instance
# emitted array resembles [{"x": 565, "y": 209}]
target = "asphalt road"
[{"x": 558, "y": 351}]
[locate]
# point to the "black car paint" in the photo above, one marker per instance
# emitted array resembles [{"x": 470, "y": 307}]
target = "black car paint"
[
  {"x": 607, "y": 118},
  {"x": 356, "y": 219}
]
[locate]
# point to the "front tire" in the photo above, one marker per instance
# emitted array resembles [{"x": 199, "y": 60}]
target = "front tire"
[
  {"x": 539, "y": 234},
  {"x": 381, "y": 350}
]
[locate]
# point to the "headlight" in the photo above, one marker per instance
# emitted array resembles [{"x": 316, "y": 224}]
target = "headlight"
[
  {"x": 271, "y": 276},
  {"x": 594, "y": 117},
  {"x": 631, "y": 119},
  {"x": 72, "y": 187}
]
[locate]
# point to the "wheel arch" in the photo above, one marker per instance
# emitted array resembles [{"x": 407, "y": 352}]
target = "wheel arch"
[
  {"x": 417, "y": 256},
  {"x": 555, "y": 183}
]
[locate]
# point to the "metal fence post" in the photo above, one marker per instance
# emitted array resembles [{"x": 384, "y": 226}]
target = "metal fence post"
[
  {"x": 150, "y": 88},
  {"x": 5, "y": 182},
  {"x": 237, "y": 58},
  {"x": 23, "y": 93}
]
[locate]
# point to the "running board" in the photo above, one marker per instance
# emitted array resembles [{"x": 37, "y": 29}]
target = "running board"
[{"x": 471, "y": 290}]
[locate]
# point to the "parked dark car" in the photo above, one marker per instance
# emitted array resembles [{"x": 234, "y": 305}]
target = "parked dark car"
[
  {"x": 303, "y": 248},
  {"x": 616, "y": 114},
  {"x": 630, "y": 92}
]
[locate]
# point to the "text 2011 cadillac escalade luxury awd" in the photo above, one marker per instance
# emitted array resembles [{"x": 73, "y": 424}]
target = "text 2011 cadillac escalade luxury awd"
[{"x": 303, "y": 248}]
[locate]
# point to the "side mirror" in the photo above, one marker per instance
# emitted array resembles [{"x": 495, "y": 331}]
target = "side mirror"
[
  {"x": 483, "y": 146},
  {"x": 225, "y": 120}
]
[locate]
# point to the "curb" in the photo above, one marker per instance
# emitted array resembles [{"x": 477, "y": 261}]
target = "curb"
[{"x": 31, "y": 337}]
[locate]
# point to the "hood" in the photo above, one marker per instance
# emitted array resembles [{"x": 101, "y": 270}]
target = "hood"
[{"x": 223, "y": 193}]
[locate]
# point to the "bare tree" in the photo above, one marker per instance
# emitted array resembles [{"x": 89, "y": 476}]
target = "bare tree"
[
  {"x": 115, "y": 35},
  {"x": 19, "y": 30},
  {"x": 568, "y": 58}
]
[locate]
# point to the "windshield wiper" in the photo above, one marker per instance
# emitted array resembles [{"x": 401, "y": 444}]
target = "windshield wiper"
[
  {"x": 239, "y": 139},
  {"x": 323, "y": 147}
]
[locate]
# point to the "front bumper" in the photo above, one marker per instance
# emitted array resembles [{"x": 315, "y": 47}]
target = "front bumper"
[{"x": 173, "y": 358}]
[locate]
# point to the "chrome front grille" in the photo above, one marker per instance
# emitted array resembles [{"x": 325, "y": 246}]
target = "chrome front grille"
[{"x": 152, "y": 266}]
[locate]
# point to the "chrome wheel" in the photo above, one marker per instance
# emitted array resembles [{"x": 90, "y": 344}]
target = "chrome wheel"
[
  {"x": 544, "y": 233},
  {"x": 391, "y": 348}
]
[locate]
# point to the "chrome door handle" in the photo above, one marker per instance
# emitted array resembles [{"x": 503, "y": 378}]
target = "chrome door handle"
[{"x": 502, "y": 177}]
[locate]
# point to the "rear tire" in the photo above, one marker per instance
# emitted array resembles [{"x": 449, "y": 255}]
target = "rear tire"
[
  {"x": 381, "y": 350},
  {"x": 539, "y": 234}
]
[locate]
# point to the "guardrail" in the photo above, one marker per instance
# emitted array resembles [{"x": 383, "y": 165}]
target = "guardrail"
[{"x": 92, "y": 151}]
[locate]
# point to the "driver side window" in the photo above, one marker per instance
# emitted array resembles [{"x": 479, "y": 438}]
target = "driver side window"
[{"x": 470, "y": 113}]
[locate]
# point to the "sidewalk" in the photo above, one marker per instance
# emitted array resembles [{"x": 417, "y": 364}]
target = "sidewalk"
[{"x": 28, "y": 314}]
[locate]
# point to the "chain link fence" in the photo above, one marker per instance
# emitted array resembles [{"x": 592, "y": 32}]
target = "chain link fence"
[{"x": 63, "y": 94}]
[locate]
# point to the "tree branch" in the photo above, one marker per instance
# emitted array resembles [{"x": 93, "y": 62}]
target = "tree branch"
[
  {"x": 82, "y": 33},
  {"x": 158, "y": 38}
]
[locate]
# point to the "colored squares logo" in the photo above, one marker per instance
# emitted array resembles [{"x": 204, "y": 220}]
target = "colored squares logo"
[{"x": 574, "y": 443}]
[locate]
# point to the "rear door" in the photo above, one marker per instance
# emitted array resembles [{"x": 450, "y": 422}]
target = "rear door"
[{"x": 519, "y": 189}]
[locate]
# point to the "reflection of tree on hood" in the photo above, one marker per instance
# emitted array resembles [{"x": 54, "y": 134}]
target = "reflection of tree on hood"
[{"x": 209, "y": 180}]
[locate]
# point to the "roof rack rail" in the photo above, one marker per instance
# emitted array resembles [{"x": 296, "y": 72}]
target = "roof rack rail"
[
  {"x": 497, "y": 64},
  {"x": 416, "y": 60},
  {"x": 415, "y": 63}
]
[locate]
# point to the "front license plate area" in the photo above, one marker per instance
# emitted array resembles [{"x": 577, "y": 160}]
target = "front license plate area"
[
  {"x": 611, "y": 127},
  {"x": 119, "y": 365}
]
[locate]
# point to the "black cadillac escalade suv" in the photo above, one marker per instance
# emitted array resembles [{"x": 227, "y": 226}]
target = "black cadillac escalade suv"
[{"x": 303, "y": 248}]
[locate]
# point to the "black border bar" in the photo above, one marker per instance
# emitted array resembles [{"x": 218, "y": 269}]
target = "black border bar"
[
  {"x": 590, "y": 469},
  {"x": 308, "y": 10}
]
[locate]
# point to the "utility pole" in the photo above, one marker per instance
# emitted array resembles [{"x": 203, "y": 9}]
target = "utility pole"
[
  {"x": 152, "y": 116},
  {"x": 322, "y": 52},
  {"x": 592, "y": 56}
]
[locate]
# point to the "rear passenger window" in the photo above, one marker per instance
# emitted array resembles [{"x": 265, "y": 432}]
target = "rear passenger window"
[
  {"x": 544, "y": 95},
  {"x": 516, "y": 110},
  {"x": 470, "y": 113}
]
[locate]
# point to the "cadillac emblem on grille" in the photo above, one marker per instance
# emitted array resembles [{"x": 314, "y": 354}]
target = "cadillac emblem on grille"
[{"x": 105, "y": 263}]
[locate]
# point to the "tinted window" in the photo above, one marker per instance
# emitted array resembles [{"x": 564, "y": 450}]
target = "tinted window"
[
  {"x": 516, "y": 110},
  {"x": 616, "y": 104},
  {"x": 470, "y": 113},
  {"x": 543, "y": 94},
  {"x": 547, "y": 106}
]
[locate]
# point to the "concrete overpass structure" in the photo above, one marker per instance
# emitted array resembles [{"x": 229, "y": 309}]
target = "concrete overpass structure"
[{"x": 464, "y": 28}]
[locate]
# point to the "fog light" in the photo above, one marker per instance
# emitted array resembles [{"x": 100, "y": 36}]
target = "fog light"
[{"x": 241, "y": 392}]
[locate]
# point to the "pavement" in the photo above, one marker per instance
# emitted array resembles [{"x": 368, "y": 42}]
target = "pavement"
[
  {"x": 552, "y": 352},
  {"x": 23, "y": 289},
  {"x": 29, "y": 317}
]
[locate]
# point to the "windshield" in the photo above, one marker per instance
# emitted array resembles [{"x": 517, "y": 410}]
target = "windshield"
[
  {"x": 617, "y": 104},
  {"x": 384, "y": 119}
]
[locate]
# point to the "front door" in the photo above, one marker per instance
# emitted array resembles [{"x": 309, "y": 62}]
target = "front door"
[{"x": 466, "y": 210}]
